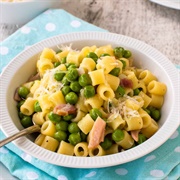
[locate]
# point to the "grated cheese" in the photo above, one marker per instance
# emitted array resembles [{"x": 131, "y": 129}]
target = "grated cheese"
[{"x": 48, "y": 84}]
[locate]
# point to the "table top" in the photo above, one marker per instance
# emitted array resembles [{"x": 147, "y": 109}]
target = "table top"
[{"x": 154, "y": 24}]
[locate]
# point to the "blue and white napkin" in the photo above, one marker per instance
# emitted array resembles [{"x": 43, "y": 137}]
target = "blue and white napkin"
[{"x": 163, "y": 163}]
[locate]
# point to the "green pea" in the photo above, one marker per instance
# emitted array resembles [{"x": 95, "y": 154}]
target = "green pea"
[
  {"x": 71, "y": 98},
  {"x": 94, "y": 113},
  {"x": 127, "y": 54},
  {"x": 75, "y": 86},
  {"x": 68, "y": 117},
  {"x": 89, "y": 91},
  {"x": 124, "y": 63},
  {"x": 58, "y": 76},
  {"x": 63, "y": 60},
  {"x": 83, "y": 137},
  {"x": 119, "y": 52},
  {"x": 55, "y": 118},
  {"x": 120, "y": 91},
  {"x": 23, "y": 91},
  {"x": 37, "y": 107},
  {"x": 141, "y": 138},
  {"x": 20, "y": 103},
  {"x": 118, "y": 135},
  {"x": 56, "y": 64},
  {"x": 84, "y": 80},
  {"x": 65, "y": 81},
  {"x": 156, "y": 114},
  {"x": 72, "y": 66},
  {"x": 106, "y": 144},
  {"x": 151, "y": 108},
  {"x": 105, "y": 54},
  {"x": 26, "y": 121},
  {"x": 60, "y": 135},
  {"x": 62, "y": 126},
  {"x": 74, "y": 138},
  {"x": 65, "y": 90},
  {"x": 72, "y": 75},
  {"x": 115, "y": 72},
  {"x": 93, "y": 56},
  {"x": 136, "y": 91},
  {"x": 73, "y": 128},
  {"x": 20, "y": 114},
  {"x": 147, "y": 110},
  {"x": 59, "y": 51}
]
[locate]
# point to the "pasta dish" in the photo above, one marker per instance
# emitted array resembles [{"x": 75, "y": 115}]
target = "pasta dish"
[{"x": 90, "y": 102}]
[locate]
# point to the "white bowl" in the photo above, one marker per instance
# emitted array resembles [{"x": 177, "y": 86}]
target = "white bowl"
[
  {"x": 22, "y": 12},
  {"x": 23, "y": 65}
]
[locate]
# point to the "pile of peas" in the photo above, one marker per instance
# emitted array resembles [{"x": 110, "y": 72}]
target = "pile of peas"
[{"x": 67, "y": 130}]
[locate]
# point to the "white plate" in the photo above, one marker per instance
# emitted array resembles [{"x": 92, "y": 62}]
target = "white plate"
[
  {"x": 175, "y": 4},
  {"x": 145, "y": 56}
]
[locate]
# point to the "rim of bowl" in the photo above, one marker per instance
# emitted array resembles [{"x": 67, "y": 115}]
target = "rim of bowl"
[{"x": 148, "y": 146}]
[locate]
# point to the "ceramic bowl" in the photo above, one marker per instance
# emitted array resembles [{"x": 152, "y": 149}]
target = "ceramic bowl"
[
  {"x": 145, "y": 56},
  {"x": 21, "y": 12}
]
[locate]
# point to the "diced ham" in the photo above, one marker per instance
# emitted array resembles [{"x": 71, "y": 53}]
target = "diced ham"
[
  {"x": 64, "y": 109},
  {"x": 135, "y": 134},
  {"x": 97, "y": 133},
  {"x": 16, "y": 95},
  {"x": 127, "y": 83}
]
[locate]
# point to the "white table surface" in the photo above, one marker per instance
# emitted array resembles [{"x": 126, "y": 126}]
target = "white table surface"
[{"x": 154, "y": 24}]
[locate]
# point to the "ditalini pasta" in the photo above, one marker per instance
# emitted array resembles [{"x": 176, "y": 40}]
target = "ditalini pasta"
[{"x": 90, "y": 102}]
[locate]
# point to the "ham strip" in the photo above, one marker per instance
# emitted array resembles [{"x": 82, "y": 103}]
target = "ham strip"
[
  {"x": 64, "y": 109},
  {"x": 97, "y": 133},
  {"x": 127, "y": 83},
  {"x": 135, "y": 134}
]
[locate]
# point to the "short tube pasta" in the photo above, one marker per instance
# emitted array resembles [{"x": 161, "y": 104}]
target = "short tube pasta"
[
  {"x": 28, "y": 107},
  {"x": 134, "y": 123},
  {"x": 156, "y": 100},
  {"x": 39, "y": 140},
  {"x": 57, "y": 98},
  {"x": 86, "y": 124},
  {"x": 50, "y": 143},
  {"x": 88, "y": 65},
  {"x": 155, "y": 87},
  {"x": 43, "y": 65},
  {"x": 146, "y": 76},
  {"x": 66, "y": 148},
  {"x": 113, "y": 81},
  {"x": 146, "y": 118},
  {"x": 105, "y": 92},
  {"x": 81, "y": 149},
  {"x": 113, "y": 149},
  {"x": 115, "y": 121},
  {"x": 38, "y": 118},
  {"x": 97, "y": 77},
  {"x": 107, "y": 64},
  {"x": 127, "y": 142},
  {"x": 151, "y": 129},
  {"x": 94, "y": 102},
  {"x": 98, "y": 151},
  {"x": 146, "y": 98},
  {"x": 48, "y": 128},
  {"x": 81, "y": 98},
  {"x": 48, "y": 53}
]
